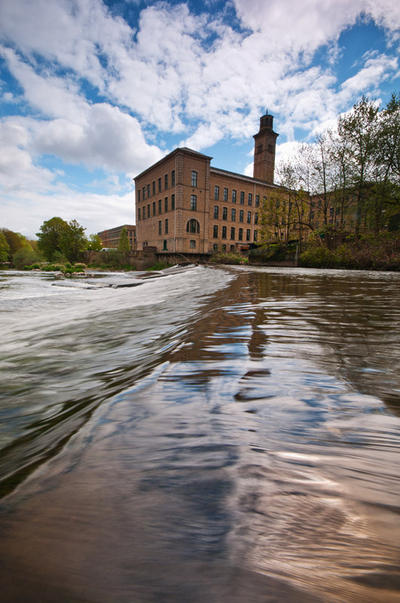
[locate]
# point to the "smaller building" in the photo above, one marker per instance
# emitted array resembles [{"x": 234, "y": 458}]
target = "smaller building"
[{"x": 110, "y": 238}]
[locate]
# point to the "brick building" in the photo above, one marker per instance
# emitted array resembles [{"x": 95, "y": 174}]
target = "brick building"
[
  {"x": 185, "y": 205},
  {"x": 110, "y": 238}
]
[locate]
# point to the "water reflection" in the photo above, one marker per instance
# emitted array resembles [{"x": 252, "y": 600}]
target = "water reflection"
[{"x": 241, "y": 446}]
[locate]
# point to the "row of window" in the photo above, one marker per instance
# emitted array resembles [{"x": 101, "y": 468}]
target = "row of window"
[
  {"x": 151, "y": 208},
  {"x": 156, "y": 187},
  {"x": 240, "y": 233},
  {"x": 225, "y": 196},
  {"x": 224, "y": 214}
]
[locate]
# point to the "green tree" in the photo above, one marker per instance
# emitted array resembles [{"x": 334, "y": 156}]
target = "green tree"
[
  {"x": 94, "y": 243},
  {"x": 73, "y": 241},
  {"x": 359, "y": 130},
  {"x": 50, "y": 236},
  {"x": 123, "y": 244},
  {"x": 58, "y": 237},
  {"x": 4, "y": 248},
  {"x": 15, "y": 241}
]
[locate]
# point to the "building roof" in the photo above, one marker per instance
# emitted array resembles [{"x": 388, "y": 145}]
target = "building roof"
[
  {"x": 220, "y": 172},
  {"x": 174, "y": 152}
]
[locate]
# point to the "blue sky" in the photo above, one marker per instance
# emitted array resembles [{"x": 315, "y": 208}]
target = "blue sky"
[{"x": 94, "y": 91}]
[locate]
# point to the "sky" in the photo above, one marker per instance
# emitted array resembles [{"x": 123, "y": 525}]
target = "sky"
[{"x": 92, "y": 92}]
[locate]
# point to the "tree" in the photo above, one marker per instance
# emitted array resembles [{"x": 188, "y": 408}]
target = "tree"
[
  {"x": 94, "y": 243},
  {"x": 15, "y": 241},
  {"x": 49, "y": 237},
  {"x": 73, "y": 241},
  {"x": 57, "y": 237},
  {"x": 4, "y": 248},
  {"x": 358, "y": 130},
  {"x": 123, "y": 244}
]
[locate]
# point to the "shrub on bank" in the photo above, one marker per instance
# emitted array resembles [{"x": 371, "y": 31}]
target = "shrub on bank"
[
  {"x": 273, "y": 252},
  {"x": 366, "y": 253},
  {"x": 228, "y": 258},
  {"x": 158, "y": 266}
]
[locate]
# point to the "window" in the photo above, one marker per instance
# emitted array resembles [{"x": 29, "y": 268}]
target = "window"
[
  {"x": 192, "y": 244},
  {"x": 138, "y": 213},
  {"x": 224, "y": 213},
  {"x": 215, "y": 247},
  {"x": 240, "y": 237},
  {"x": 256, "y": 218},
  {"x": 193, "y": 226},
  {"x": 248, "y": 233},
  {"x": 173, "y": 178},
  {"x": 172, "y": 201},
  {"x": 148, "y": 190},
  {"x": 223, "y": 247},
  {"x": 194, "y": 178},
  {"x": 154, "y": 208},
  {"x": 232, "y": 233},
  {"x": 250, "y": 199},
  {"x": 165, "y": 245},
  {"x": 216, "y": 212},
  {"x": 166, "y": 181},
  {"x": 241, "y": 198},
  {"x": 166, "y": 204},
  {"x": 159, "y": 227},
  {"x": 241, "y": 216},
  {"x": 225, "y": 194},
  {"x": 216, "y": 192},
  {"x": 233, "y": 196},
  {"x": 159, "y": 206},
  {"x": 215, "y": 231},
  {"x": 257, "y": 200},
  {"x": 154, "y": 187},
  {"x": 166, "y": 226},
  {"x": 193, "y": 202},
  {"x": 144, "y": 193},
  {"x": 159, "y": 185},
  {"x": 148, "y": 210},
  {"x": 249, "y": 217},
  {"x": 224, "y": 232},
  {"x": 138, "y": 195},
  {"x": 255, "y": 235},
  {"x": 233, "y": 214}
]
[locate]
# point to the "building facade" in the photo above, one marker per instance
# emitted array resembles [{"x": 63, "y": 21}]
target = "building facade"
[
  {"x": 185, "y": 205},
  {"x": 110, "y": 238}
]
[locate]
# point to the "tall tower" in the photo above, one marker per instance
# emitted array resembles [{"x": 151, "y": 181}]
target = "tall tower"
[{"x": 264, "y": 150}]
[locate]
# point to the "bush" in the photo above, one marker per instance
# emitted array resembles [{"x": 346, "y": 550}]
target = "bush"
[
  {"x": 228, "y": 258},
  {"x": 273, "y": 252},
  {"x": 24, "y": 257},
  {"x": 159, "y": 266},
  {"x": 318, "y": 257}
]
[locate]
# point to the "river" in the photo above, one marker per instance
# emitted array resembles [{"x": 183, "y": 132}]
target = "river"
[{"x": 200, "y": 435}]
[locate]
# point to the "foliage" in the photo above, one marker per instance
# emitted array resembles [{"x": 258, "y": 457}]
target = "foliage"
[
  {"x": 228, "y": 258},
  {"x": 111, "y": 259},
  {"x": 24, "y": 256},
  {"x": 349, "y": 178},
  {"x": 14, "y": 241},
  {"x": 123, "y": 244},
  {"x": 368, "y": 252},
  {"x": 273, "y": 252},
  {"x": 159, "y": 266},
  {"x": 64, "y": 238},
  {"x": 4, "y": 248},
  {"x": 94, "y": 243}
]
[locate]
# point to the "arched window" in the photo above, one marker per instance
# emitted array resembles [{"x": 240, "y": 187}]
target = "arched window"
[{"x": 193, "y": 226}]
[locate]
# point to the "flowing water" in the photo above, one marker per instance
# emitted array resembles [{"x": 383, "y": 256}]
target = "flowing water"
[{"x": 204, "y": 434}]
